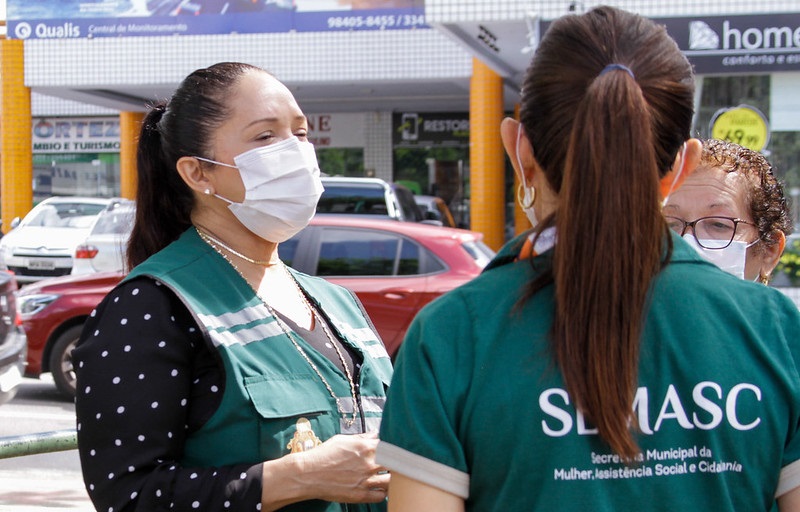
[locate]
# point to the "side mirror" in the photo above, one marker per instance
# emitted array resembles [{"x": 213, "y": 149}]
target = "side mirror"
[{"x": 15, "y": 222}]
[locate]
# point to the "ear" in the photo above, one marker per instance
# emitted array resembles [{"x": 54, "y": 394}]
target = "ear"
[
  {"x": 508, "y": 133},
  {"x": 680, "y": 170},
  {"x": 193, "y": 174},
  {"x": 772, "y": 254}
]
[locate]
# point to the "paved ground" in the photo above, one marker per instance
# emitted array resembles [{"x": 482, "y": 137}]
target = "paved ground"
[
  {"x": 49, "y": 482},
  {"x": 51, "y": 492}
]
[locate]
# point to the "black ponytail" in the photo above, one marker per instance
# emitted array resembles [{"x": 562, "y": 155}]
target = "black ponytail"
[{"x": 163, "y": 201}]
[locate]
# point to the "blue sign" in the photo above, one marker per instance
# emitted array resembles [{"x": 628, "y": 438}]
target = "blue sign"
[{"x": 70, "y": 19}]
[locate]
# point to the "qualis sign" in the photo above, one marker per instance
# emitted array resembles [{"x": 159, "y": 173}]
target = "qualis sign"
[{"x": 739, "y": 44}]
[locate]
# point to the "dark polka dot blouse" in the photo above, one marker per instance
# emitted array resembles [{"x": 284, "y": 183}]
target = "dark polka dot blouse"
[{"x": 145, "y": 380}]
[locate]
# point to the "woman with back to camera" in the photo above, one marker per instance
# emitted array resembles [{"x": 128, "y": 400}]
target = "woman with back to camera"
[
  {"x": 598, "y": 363},
  {"x": 733, "y": 210},
  {"x": 214, "y": 377}
]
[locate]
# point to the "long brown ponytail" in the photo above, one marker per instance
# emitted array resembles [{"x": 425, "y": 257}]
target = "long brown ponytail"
[{"x": 604, "y": 136}]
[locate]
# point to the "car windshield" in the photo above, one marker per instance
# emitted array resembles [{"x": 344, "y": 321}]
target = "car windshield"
[{"x": 65, "y": 215}]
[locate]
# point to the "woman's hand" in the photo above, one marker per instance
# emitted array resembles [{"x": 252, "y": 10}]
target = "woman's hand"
[{"x": 342, "y": 469}]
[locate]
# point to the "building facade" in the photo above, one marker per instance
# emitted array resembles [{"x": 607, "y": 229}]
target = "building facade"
[{"x": 405, "y": 90}]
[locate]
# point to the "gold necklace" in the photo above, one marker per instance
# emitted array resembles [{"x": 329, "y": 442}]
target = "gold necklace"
[
  {"x": 212, "y": 242},
  {"x": 215, "y": 242}
]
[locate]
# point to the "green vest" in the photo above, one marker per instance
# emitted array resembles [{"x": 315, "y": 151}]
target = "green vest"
[{"x": 268, "y": 384}]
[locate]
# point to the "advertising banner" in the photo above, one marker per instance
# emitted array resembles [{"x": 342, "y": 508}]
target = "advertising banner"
[
  {"x": 738, "y": 44},
  {"x": 744, "y": 125},
  {"x": 76, "y": 135},
  {"x": 68, "y": 19},
  {"x": 340, "y": 130}
]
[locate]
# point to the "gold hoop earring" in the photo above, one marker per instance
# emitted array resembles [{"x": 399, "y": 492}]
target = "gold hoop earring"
[
  {"x": 521, "y": 197},
  {"x": 763, "y": 278}
]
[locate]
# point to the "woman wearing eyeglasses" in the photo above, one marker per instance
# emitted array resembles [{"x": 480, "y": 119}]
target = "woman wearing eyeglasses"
[
  {"x": 598, "y": 363},
  {"x": 733, "y": 210}
]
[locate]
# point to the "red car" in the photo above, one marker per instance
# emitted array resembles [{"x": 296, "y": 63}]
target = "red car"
[{"x": 394, "y": 267}]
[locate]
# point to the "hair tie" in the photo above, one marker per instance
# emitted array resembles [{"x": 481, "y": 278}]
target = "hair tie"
[{"x": 614, "y": 67}]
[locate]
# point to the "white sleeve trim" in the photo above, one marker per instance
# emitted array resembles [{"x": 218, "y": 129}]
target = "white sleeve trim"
[
  {"x": 423, "y": 469},
  {"x": 789, "y": 479}
]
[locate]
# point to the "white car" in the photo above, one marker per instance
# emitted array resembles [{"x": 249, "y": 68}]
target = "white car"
[
  {"x": 105, "y": 246},
  {"x": 41, "y": 245}
]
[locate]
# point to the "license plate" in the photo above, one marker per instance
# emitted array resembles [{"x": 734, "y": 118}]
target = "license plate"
[{"x": 41, "y": 264}]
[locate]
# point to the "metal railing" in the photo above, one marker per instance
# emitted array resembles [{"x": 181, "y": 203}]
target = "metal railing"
[{"x": 41, "y": 442}]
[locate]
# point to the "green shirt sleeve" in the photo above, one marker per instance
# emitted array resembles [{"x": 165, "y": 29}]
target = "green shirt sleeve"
[{"x": 420, "y": 434}]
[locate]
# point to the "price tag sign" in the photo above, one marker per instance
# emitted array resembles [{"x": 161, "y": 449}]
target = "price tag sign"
[{"x": 744, "y": 125}]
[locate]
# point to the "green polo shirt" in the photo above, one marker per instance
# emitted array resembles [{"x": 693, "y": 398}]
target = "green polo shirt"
[{"x": 477, "y": 407}]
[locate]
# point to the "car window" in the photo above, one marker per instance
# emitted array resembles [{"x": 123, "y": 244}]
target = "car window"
[
  {"x": 347, "y": 199},
  {"x": 409, "y": 264},
  {"x": 65, "y": 215},
  {"x": 356, "y": 253},
  {"x": 411, "y": 212},
  {"x": 352, "y": 252}
]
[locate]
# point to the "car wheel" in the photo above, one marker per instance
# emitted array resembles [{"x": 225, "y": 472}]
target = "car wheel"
[{"x": 61, "y": 361}]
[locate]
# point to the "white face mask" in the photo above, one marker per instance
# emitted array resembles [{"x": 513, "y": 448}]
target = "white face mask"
[
  {"x": 528, "y": 193},
  {"x": 730, "y": 259},
  {"x": 282, "y": 188}
]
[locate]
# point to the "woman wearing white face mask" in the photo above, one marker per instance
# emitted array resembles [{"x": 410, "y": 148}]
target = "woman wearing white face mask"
[
  {"x": 214, "y": 377},
  {"x": 733, "y": 211},
  {"x": 614, "y": 369}
]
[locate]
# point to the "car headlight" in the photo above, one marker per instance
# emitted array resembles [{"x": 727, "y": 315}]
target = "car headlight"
[{"x": 29, "y": 305}]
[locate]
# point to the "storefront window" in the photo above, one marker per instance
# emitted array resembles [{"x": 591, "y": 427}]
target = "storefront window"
[
  {"x": 437, "y": 171},
  {"x": 347, "y": 162},
  {"x": 79, "y": 174},
  {"x": 783, "y": 149}
]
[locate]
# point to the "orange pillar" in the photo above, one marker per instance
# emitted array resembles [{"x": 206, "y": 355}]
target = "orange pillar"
[
  {"x": 129, "y": 125},
  {"x": 16, "y": 137},
  {"x": 486, "y": 156}
]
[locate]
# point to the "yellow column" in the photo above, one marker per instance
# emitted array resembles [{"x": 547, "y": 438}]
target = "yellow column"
[
  {"x": 16, "y": 138},
  {"x": 129, "y": 125},
  {"x": 486, "y": 156}
]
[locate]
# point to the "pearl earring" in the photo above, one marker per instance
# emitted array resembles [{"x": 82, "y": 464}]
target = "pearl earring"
[{"x": 207, "y": 191}]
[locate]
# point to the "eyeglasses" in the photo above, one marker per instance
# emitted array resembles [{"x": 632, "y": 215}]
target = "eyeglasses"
[{"x": 710, "y": 232}]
